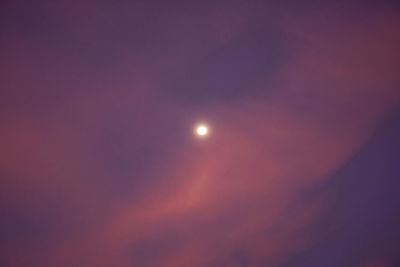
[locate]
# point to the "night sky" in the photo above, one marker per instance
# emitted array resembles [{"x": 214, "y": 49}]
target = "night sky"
[{"x": 100, "y": 164}]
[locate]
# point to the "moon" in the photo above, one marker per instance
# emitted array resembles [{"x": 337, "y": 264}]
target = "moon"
[{"x": 202, "y": 130}]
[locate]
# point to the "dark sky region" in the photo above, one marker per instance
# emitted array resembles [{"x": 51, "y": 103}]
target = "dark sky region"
[{"x": 99, "y": 165}]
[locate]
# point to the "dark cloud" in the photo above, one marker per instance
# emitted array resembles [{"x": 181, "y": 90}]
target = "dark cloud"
[{"x": 230, "y": 71}]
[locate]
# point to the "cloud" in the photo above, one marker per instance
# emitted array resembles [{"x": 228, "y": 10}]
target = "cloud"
[{"x": 100, "y": 160}]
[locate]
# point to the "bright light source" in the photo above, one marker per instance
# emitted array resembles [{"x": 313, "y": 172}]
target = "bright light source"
[{"x": 201, "y": 130}]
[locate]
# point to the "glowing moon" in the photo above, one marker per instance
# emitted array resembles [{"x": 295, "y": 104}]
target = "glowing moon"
[{"x": 202, "y": 130}]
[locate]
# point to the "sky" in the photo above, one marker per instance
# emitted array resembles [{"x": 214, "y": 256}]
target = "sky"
[{"x": 100, "y": 166}]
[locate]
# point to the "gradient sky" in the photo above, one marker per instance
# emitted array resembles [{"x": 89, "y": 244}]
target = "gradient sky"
[{"x": 99, "y": 165}]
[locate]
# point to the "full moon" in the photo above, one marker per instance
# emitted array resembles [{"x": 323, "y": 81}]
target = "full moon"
[{"x": 201, "y": 130}]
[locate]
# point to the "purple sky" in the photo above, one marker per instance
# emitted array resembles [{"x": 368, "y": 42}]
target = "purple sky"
[{"x": 99, "y": 165}]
